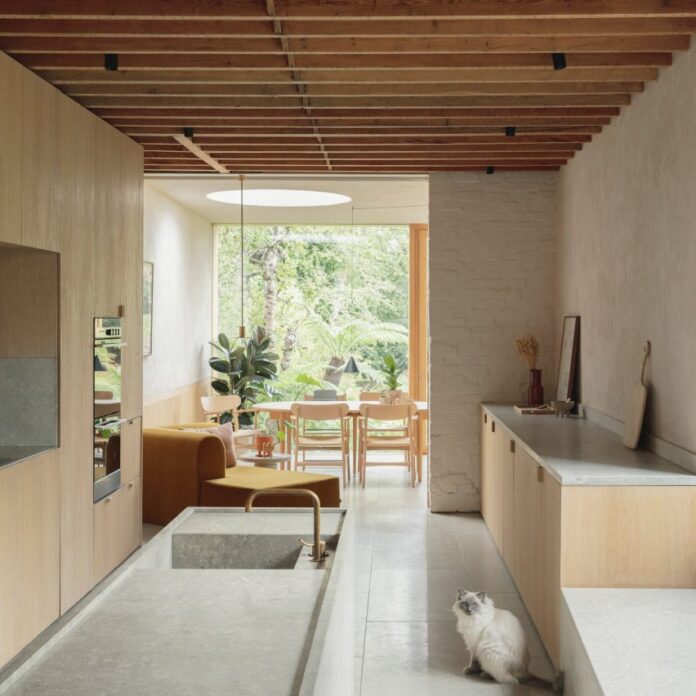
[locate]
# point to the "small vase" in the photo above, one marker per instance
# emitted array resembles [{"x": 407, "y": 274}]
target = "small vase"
[
  {"x": 264, "y": 445},
  {"x": 535, "y": 393}
]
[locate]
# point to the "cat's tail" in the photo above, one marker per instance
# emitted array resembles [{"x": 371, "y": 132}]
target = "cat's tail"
[{"x": 554, "y": 685}]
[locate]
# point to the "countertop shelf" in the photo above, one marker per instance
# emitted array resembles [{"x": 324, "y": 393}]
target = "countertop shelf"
[{"x": 577, "y": 452}]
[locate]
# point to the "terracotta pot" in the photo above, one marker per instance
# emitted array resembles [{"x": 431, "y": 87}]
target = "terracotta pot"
[
  {"x": 393, "y": 395},
  {"x": 264, "y": 445}
]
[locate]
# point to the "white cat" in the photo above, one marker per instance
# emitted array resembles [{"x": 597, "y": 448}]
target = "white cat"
[{"x": 496, "y": 642}]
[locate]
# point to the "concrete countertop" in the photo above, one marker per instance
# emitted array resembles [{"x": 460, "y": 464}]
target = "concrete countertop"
[
  {"x": 638, "y": 641},
  {"x": 577, "y": 452},
  {"x": 158, "y": 631}
]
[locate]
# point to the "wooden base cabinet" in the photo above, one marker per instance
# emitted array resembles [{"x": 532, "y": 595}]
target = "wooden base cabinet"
[
  {"x": 117, "y": 528},
  {"x": 554, "y": 536}
]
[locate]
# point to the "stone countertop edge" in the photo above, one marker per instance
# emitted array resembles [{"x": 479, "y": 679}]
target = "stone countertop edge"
[
  {"x": 149, "y": 556},
  {"x": 648, "y": 469}
]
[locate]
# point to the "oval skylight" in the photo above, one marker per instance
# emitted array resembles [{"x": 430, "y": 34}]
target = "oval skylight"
[{"x": 280, "y": 198}]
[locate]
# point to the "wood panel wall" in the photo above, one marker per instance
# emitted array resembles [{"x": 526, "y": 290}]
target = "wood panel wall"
[{"x": 68, "y": 183}]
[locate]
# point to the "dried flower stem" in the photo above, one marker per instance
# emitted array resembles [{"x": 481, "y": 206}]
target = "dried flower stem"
[{"x": 528, "y": 348}]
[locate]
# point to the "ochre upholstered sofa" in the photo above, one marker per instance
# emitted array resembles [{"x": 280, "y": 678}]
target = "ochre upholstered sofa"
[{"x": 183, "y": 468}]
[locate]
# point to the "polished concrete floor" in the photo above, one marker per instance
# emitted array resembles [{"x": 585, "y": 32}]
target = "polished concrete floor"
[{"x": 409, "y": 566}]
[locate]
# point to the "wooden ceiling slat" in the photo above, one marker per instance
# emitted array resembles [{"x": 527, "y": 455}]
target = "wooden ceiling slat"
[
  {"x": 218, "y": 28},
  {"x": 338, "y": 9},
  {"x": 302, "y": 48},
  {"x": 249, "y": 62},
  {"x": 383, "y": 90},
  {"x": 546, "y": 74},
  {"x": 328, "y": 103}
]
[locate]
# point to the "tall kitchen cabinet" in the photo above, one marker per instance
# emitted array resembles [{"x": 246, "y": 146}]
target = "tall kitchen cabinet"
[{"x": 117, "y": 279}]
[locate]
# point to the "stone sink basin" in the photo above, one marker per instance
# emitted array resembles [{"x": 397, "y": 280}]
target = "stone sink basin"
[{"x": 220, "y": 602}]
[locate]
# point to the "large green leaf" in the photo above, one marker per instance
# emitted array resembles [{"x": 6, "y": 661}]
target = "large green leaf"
[
  {"x": 220, "y": 386},
  {"x": 219, "y": 365},
  {"x": 224, "y": 341}
]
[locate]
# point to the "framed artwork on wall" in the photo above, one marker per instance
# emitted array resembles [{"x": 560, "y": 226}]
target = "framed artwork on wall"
[
  {"x": 148, "y": 290},
  {"x": 567, "y": 362}
]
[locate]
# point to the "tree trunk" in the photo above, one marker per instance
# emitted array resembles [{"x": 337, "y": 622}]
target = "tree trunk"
[
  {"x": 333, "y": 371},
  {"x": 289, "y": 345}
]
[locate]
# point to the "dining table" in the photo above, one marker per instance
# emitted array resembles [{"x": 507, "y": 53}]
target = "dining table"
[{"x": 280, "y": 412}]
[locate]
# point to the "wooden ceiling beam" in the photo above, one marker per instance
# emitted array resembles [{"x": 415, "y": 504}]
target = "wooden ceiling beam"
[
  {"x": 60, "y": 76},
  {"x": 414, "y": 27},
  {"x": 339, "y": 9},
  {"x": 328, "y": 103},
  {"x": 347, "y": 62},
  {"x": 304, "y": 48},
  {"x": 271, "y": 116},
  {"x": 337, "y": 90}
]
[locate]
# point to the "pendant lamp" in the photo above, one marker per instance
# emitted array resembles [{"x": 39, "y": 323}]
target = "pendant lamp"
[
  {"x": 242, "y": 328},
  {"x": 351, "y": 367}
]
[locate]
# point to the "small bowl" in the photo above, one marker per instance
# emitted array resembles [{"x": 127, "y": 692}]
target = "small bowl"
[{"x": 562, "y": 407}]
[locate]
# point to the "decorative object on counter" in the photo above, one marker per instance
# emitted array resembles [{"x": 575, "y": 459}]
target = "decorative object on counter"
[
  {"x": 264, "y": 445},
  {"x": 635, "y": 406},
  {"x": 527, "y": 348},
  {"x": 570, "y": 342},
  {"x": 525, "y": 410},
  {"x": 562, "y": 408},
  {"x": 148, "y": 289}
]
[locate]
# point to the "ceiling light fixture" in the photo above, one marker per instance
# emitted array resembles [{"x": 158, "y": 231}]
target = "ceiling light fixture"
[
  {"x": 351, "y": 367},
  {"x": 280, "y": 198},
  {"x": 559, "y": 61},
  {"x": 490, "y": 170},
  {"x": 111, "y": 61},
  {"x": 510, "y": 131}
]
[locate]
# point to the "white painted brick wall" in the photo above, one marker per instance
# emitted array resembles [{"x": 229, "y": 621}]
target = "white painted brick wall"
[{"x": 491, "y": 270}]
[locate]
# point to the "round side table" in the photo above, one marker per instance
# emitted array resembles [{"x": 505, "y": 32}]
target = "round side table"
[{"x": 272, "y": 462}]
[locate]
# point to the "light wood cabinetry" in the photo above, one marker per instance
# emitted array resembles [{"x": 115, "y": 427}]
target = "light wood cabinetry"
[
  {"x": 11, "y": 151},
  {"x": 117, "y": 528},
  {"x": 131, "y": 449},
  {"x": 40, "y": 172},
  {"x": 554, "y": 535},
  {"x": 29, "y": 549}
]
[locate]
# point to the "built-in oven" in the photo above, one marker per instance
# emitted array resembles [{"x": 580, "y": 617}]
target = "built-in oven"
[{"x": 108, "y": 344}]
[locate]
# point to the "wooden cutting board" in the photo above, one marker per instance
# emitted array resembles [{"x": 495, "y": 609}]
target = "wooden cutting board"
[{"x": 635, "y": 406}]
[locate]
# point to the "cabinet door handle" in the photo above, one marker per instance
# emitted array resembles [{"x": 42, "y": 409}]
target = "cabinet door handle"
[
  {"x": 107, "y": 500},
  {"x": 492, "y": 426},
  {"x": 540, "y": 474},
  {"x": 131, "y": 484},
  {"x": 512, "y": 446},
  {"x": 485, "y": 418}
]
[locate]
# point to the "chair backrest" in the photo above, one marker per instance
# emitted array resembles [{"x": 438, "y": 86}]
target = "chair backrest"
[
  {"x": 327, "y": 395},
  {"x": 388, "y": 412},
  {"x": 103, "y": 395},
  {"x": 319, "y": 412},
  {"x": 370, "y": 396},
  {"x": 220, "y": 404}
]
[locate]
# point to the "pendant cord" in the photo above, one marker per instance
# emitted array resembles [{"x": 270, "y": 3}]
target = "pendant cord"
[
  {"x": 241, "y": 200},
  {"x": 352, "y": 255}
]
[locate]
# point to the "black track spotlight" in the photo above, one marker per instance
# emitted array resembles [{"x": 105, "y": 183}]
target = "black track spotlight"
[
  {"x": 188, "y": 132},
  {"x": 510, "y": 131},
  {"x": 559, "y": 61},
  {"x": 111, "y": 61},
  {"x": 490, "y": 170}
]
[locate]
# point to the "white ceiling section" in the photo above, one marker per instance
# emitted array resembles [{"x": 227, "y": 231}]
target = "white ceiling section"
[{"x": 375, "y": 199}]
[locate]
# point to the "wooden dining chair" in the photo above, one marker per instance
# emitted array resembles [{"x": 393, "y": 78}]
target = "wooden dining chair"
[
  {"x": 370, "y": 395},
  {"x": 215, "y": 406},
  {"x": 325, "y": 395},
  {"x": 398, "y": 435},
  {"x": 308, "y": 420}
]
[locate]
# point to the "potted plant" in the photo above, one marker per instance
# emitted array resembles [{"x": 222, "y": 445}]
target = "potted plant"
[
  {"x": 243, "y": 367},
  {"x": 391, "y": 371}
]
